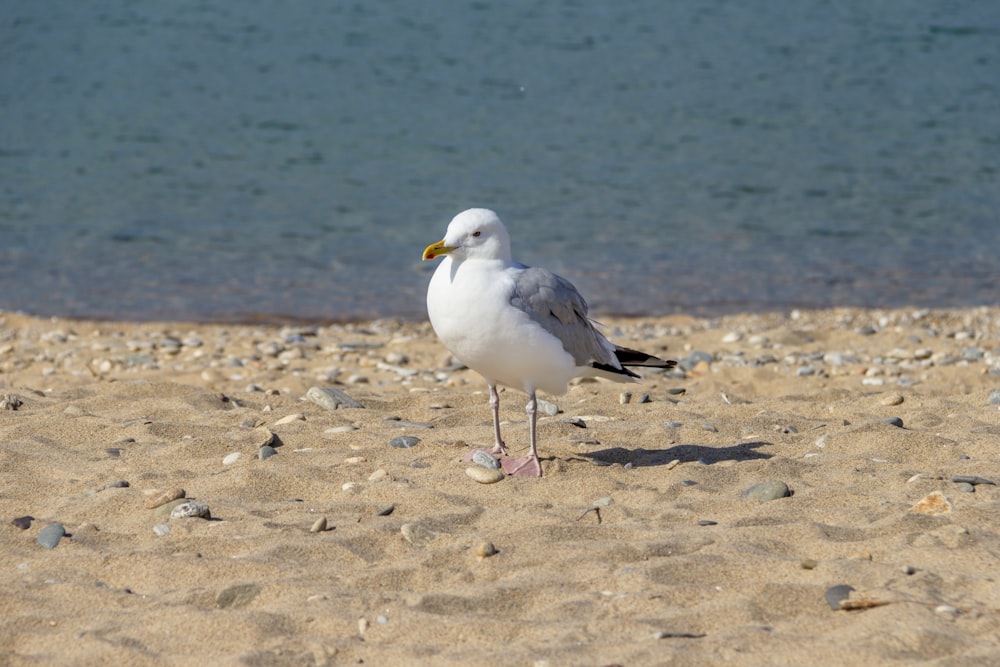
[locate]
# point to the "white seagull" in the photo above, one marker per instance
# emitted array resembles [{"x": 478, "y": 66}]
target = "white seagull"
[{"x": 519, "y": 326}]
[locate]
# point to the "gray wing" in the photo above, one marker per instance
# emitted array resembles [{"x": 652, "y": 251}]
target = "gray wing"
[{"x": 554, "y": 303}]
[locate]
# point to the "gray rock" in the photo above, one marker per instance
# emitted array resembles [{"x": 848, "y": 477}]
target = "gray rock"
[
  {"x": 971, "y": 479},
  {"x": 50, "y": 535},
  {"x": 161, "y": 529},
  {"x": 836, "y": 594},
  {"x": 191, "y": 508},
  {"x": 331, "y": 398},
  {"x": 23, "y": 522},
  {"x": 994, "y": 397},
  {"x": 237, "y": 596},
  {"x": 693, "y": 359},
  {"x": 404, "y": 441},
  {"x": 266, "y": 452},
  {"x": 385, "y": 510},
  {"x": 965, "y": 487},
  {"x": 673, "y": 424},
  {"x": 894, "y": 421},
  {"x": 765, "y": 491},
  {"x": 485, "y": 459}
]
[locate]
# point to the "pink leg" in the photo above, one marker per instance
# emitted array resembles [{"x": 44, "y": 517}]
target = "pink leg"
[
  {"x": 499, "y": 448},
  {"x": 527, "y": 466}
]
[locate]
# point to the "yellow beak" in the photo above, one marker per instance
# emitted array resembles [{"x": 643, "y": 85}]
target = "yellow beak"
[{"x": 436, "y": 249}]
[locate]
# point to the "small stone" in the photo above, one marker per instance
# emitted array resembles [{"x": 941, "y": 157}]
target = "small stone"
[
  {"x": 994, "y": 397},
  {"x": 643, "y": 398},
  {"x": 191, "y": 508},
  {"x": 971, "y": 479},
  {"x": 732, "y": 337},
  {"x": 893, "y": 421},
  {"x": 362, "y": 626},
  {"x": 836, "y": 594},
  {"x": 290, "y": 419},
  {"x": 231, "y": 458},
  {"x": 625, "y": 397},
  {"x": 161, "y": 529},
  {"x": 891, "y": 399},
  {"x": 575, "y": 421},
  {"x": 934, "y": 503},
  {"x": 346, "y": 428},
  {"x": 237, "y": 596},
  {"x": 331, "y": 398},
  {"x": 803, "y": 371},
  {"x": 603, "y": 502},
  {"x": 707, "y": 522},
  {"x": 710, "y": 428},
  {"x": 416, "y": 534},
  {"x": 808, "y": 564},
  {"x": 50, "y": 535},
  {"x": 385, "y": 510},
  {"x": 908, "y": 569},
  {"x": 266, "y": 452},
  {"x": 676, "y": 391},
  {"x": 766, "y": 491},
  {"x": 485, "y": 459},
  {"x": 404, "y": 441},
  {"x": 354, "y": 460},
  {"x": 23, "y": 522},
  {"x": 381, "y": 619},
  {"x": 486, "y": 549},
  {"x": 485, "y": 475},
  {"x": 120, "y": 484},
  {"x": 114, "y": 452},
  {"x": 947, "y": 610},
  {"x": 378, "y": 475},
  {"x": 672, "y": 424},
  {"x": 965, "y": 487},
  {"x": 319, "y": 525},
  {"x": 157, "y": 497},
  {"x": 547, "y": 407}
]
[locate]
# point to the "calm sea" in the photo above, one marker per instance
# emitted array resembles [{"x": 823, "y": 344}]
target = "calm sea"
[{"x": 244, "y": 160}]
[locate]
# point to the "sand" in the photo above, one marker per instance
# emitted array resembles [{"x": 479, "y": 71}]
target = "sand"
[{"x": 636, "y": 548}]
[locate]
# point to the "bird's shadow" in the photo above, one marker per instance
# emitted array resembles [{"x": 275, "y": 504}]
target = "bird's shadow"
[{"x": 744, "y": 451}]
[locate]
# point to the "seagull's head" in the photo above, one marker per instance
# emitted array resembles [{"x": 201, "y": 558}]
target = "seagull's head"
[{"x": 476, "y": 233}]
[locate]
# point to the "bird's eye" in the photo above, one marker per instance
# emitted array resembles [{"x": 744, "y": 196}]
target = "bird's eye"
[{"x": 477, "y": 233}]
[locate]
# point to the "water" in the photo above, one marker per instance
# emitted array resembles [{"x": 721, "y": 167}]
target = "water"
[{"x": 239, "y": 161}]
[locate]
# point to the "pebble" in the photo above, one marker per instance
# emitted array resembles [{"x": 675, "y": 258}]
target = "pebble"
[
  {"x": 385, "y": 510},
  {"x": 575, "y": 421},
  {"x": 378, "y": 475},
  {"x": 23, "y": 522},
  {"x": 707, "y": 522},
  {"x": 161, "y": 529},
  {"x": 347, "y": 428},
  {"x": 894, "y": 421},
  {"x": 732, "y": 337},
  {"x": 404, "y": 441},
  {"x": 625, "y": 397},
  {"x": 50, "y": 535},
  {"x": 485, "y": 459},
  {"x": 297, "y": 417},
  {"x": 157, "y": 497},
  {"x": 836, "y": 594},
  {"x": 965, "y": 487},
  {"x": 191, "y": 508},
  {"x": 934, "y": 503},
  {"x": 331, "y": 398},
  {"x": 808, "y": 564},
  {"x": 547, "y": 407},
  {"x": 486, "y": 549},
  {"x": 947, "y": 610},
  {"x": 891, "y": 399},
  {"x": 485, "y": 475},
  {"x": 765, "y": 491},
  {"x": 672, "y": 424},
  {"x": 994, "y": 397},
  {"x": 266, "y": 452},
  {"x": 803, "y": 371},
  {"x": 231, "y": 458},
  {"x": 237, "y": 596},
  {"x": 416, "y": 534},
  {"x": 120, "y": 484},
  {"x": 971, "y": 479},
  {"x": 676, "y": 391},
  {"x": 319, "y": 525},
  {"x": 710, "y": 428}
]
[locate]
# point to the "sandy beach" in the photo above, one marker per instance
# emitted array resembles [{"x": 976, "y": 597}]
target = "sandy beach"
[{"x": 637, "y": 547}]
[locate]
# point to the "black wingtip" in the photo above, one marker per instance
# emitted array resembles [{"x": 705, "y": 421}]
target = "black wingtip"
[{"x": 630, "y": 357}]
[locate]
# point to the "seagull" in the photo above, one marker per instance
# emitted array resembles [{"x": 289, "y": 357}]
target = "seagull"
[{"x": 518, "y": 326}]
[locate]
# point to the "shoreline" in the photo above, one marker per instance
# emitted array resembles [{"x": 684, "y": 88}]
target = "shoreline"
[{"x": 636, "y": 547}]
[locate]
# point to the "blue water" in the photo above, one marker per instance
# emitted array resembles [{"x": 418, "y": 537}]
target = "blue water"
[{"x": 247, "y": 160}]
